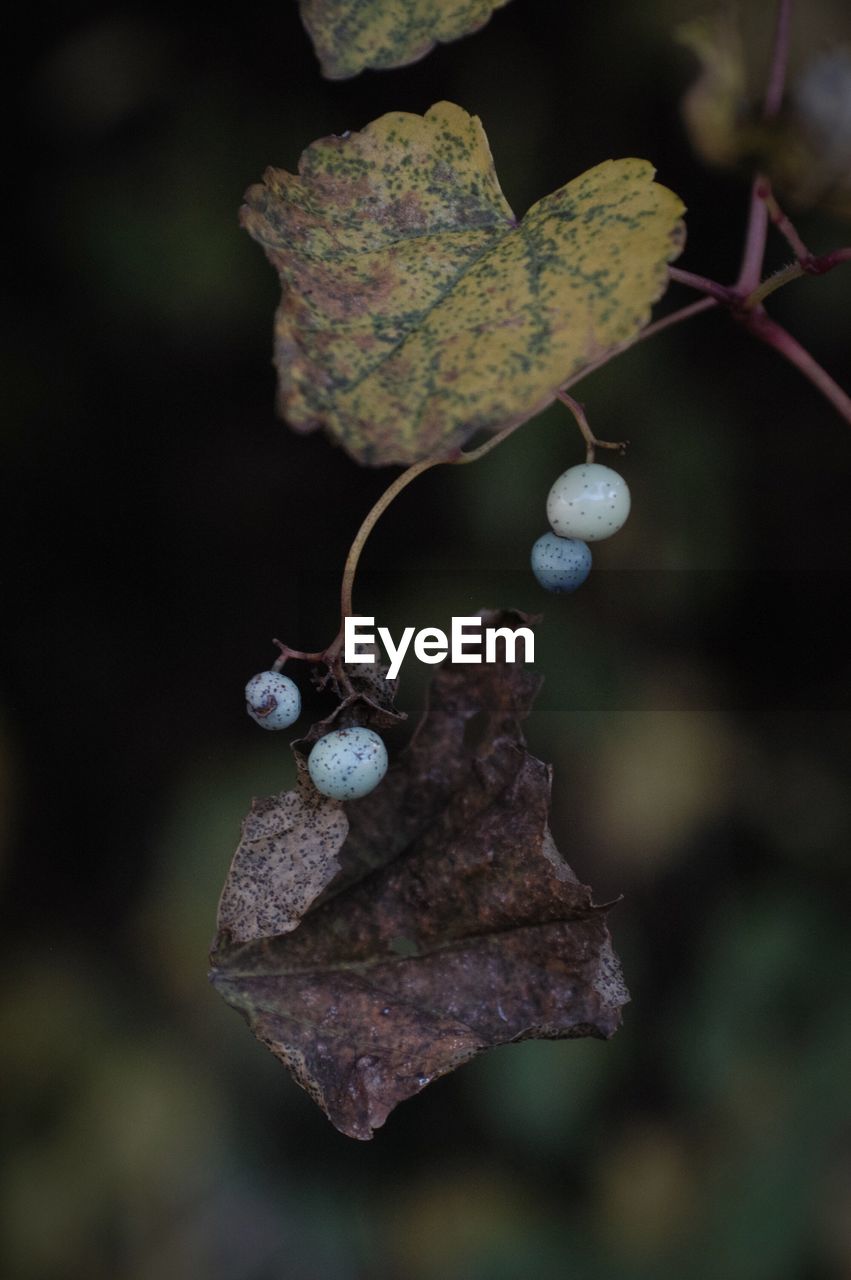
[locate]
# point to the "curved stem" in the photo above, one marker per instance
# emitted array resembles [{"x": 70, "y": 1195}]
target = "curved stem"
[
  {"x": 591, "y": 441},
  {"x": 373, "y": 516},
  {"x": 772, "y": 333},
  {"x": 464, "y": 456},
  {"x": 455, "y": 457}
]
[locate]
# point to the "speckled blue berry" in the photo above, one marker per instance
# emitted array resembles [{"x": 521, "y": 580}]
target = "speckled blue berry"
[
  {"x": 273, "y": 700},
  {"x": 348, "y": 763},
  {"x": 560, "y": 564}
]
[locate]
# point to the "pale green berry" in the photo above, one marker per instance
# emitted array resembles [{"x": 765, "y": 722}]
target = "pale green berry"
[
  {"x": 348, "y": 763},
  {"x": 273, "y": 700},
  {"x": 589, "y": 501}
]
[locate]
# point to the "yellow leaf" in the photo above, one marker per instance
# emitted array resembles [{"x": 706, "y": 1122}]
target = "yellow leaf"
[
  {"x": 417, "y": 310},
  {"x": 716, "y": 107},
  {"x": 349, "y": 35}
]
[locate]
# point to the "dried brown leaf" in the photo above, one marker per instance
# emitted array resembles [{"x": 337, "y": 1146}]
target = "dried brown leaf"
[
  {"x": 286, "y": 857},
  {"x": 454, "y": 926}
]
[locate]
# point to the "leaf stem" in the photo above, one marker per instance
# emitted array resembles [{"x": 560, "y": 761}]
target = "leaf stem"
[
  {"x": 721, "y": 292},
  {"x": 753, "y": 254},
  {"x": 665, "y": 322},
  {"x": 676, "y": 317},
  {"x": 774, "y": 335}
]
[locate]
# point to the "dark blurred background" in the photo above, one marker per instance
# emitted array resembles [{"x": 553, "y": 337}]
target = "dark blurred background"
[{"x": 162, "y": 526}]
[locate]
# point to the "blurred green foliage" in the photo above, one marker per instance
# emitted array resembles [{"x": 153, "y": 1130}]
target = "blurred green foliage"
[{"x": 163, "y": 527}]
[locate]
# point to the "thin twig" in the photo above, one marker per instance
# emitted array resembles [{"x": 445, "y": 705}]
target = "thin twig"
[
  {"x": 757, "y": 230},
  {"x": 784, "y": 224},
  {"x": 772, "y": 333},
  {"x": 666, "y": 322},
  {"x": 756, "y": 234},
  {"x": 676, "y": 317},
  {"x": 373, "y": 516},
  {"x": 299, "y": 654},
  {"x": 779, "y": 61},
  {"x": 591, "y": 441},
  {"x": 703, "y": 285}
]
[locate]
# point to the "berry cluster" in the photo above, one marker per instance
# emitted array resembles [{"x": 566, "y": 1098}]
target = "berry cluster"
[
  {"x": 586, "y": 504},
  {"x": 345, "y": 764}
]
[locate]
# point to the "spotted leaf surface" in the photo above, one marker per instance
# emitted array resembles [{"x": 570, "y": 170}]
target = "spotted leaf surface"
[
  {"x": 416, "y": 310},
  {"x": 286, "y": 857},
  {"x": 349, "y": 35},
  {"x": 455, "y": 924}
]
